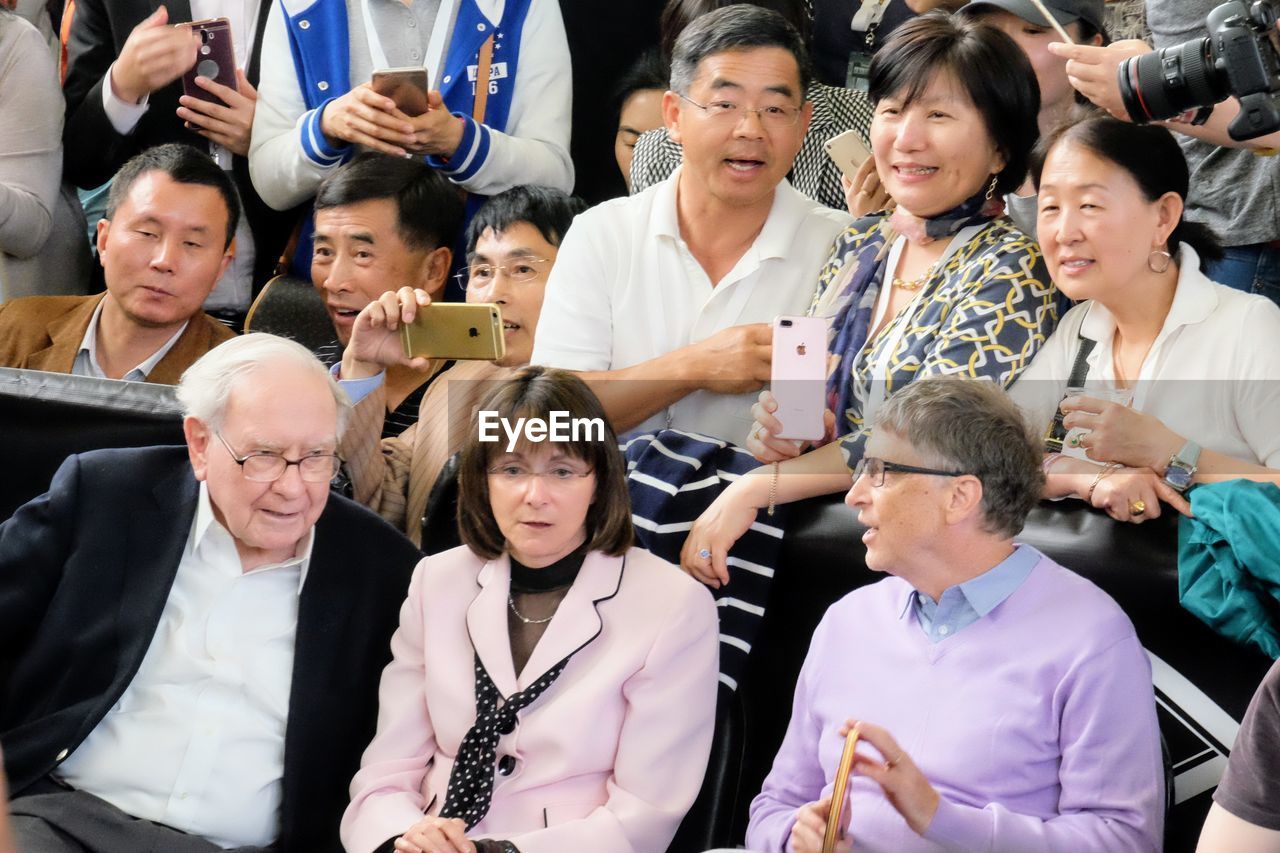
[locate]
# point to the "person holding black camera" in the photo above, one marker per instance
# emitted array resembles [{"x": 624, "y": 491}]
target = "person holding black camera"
[{"x": 1231, "y": 188}]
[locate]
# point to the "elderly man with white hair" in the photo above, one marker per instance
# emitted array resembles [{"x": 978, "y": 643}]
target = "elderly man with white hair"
[{"x": 191, "y": 638}]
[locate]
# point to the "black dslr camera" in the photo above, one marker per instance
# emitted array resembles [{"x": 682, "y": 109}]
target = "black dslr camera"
[{"x": 1240, "y": 57}]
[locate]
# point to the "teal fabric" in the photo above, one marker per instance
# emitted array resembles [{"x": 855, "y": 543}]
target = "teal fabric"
[{"x": 1229, "y": 561}]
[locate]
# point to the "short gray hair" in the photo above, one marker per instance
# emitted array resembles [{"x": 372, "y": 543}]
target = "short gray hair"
[
  {"x": 740, "y": 26},
  {"x": 972, "y": 425},
  {"x": 206, "y": 386}
]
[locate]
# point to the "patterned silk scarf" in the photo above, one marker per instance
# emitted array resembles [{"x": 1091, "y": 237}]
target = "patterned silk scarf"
[
  {"x": 851, "y": 297},
  {"x": 471, "y": 780}
]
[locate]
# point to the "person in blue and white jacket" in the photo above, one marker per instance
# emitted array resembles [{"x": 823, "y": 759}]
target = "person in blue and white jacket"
[{"x": 316, "y": 107}]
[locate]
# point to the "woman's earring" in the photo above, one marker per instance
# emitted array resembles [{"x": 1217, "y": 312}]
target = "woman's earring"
[
  {"x": 1158, "y": 261},
  {"x": 991, "y": 188}
]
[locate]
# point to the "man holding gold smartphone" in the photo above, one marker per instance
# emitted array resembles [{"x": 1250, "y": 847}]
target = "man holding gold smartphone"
[
  {"x": 1002, "y": 701},
  {"x": 383, "y": 223},
  {"x": 511, "y": 247}
]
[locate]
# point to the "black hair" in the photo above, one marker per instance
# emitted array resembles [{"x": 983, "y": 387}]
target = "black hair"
[
  {"x": 550, "y": 211},
  {"x": 184, "y": 165},
  {"x": 740, "y": 26},
  {"x": 987, "y": 64},
  {"x": 1151, "y": 156},
  {"x": 429, "y": 208},
  {"x": 678, "y": 14},
  {"x": 649, "y": 71}
]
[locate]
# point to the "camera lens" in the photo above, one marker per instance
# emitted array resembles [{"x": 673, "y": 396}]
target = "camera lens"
[{"x": 1166, "y": 82}]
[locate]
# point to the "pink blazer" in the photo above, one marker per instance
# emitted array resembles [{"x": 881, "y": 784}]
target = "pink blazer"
[{"x": 608, "y": 759}]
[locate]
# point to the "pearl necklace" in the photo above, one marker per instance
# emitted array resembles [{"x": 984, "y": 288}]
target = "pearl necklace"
[{"x": 511, "y": 602}]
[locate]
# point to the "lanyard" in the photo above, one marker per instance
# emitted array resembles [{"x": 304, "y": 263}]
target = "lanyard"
[
  {"x": 435, "y": 48},
  {"x": 868, "y": 16}
]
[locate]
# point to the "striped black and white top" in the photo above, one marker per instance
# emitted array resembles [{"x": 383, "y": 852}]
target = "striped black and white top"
[{"x": 672, "y": 477}]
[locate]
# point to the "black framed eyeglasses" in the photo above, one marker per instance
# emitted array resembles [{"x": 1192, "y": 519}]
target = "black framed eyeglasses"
[
  {"x": 269, "y": 467},
  {"x": 875, "y": 469}
]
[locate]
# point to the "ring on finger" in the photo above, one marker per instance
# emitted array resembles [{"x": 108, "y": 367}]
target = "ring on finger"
[
  {"x": 1137, "y": 507},
  {"x": 704, "y": 553}
]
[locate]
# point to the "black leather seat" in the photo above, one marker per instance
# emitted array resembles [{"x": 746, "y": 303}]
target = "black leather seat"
[
  {"x": 291, "y": 308},
  {"x": 46, "y": 417}
]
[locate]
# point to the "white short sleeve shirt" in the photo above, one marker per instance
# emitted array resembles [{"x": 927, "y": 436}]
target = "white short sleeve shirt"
[
  {"x": 625, "y": 289},
  {"x": 1212, "y": 375}
]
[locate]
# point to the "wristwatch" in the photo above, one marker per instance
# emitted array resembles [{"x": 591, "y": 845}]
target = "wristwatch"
[{"x": 1181, "y": 469}]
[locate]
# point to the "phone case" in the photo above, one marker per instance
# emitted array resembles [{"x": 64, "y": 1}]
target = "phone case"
[
  {"x": 847, "y": 151},
  {"x": 836, "y": 814},
  {"x": 799, "y": 375},
  {"x": 456, "y": 330},
  {"x": 215, "y": 59},
  {"x": 406, "y": 86}
]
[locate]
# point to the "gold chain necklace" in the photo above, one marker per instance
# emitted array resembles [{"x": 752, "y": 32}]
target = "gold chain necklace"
[{"x": 912, "y": 285}]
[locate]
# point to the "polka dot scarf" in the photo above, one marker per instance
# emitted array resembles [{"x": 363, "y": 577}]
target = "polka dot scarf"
[{"x": 471, "y": 780}]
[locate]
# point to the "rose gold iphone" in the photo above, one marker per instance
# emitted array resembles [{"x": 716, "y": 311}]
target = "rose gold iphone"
[{"x": 799, "y": 375}]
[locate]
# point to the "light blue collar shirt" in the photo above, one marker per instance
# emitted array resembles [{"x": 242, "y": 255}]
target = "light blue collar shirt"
[{"x": 963, "y": 604}]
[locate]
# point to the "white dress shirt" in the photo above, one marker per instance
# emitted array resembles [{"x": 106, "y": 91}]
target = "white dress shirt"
[
  {"x": 86, "y": 363},
  {"x": 1212, "y": 375},
  {"x": 625, "y": 289},
  {"x": 235, "y": 288},
  {"x": 196, "y": 741}
]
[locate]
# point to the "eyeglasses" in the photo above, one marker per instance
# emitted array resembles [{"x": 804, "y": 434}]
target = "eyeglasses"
[
  {"x": 516, "y": 474},
  {"x": 727, "y": 112},
  {"x": 269, "y": 467},
  {"x": 875, "y": 470},
  {"x": 480, "y": 276}
]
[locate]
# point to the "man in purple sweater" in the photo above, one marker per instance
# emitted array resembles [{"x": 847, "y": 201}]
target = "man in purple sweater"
[{"x": 1004, "y": 703}]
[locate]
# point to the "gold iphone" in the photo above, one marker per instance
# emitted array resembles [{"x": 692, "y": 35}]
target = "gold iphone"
[
  {"x": 836, "y": 814},
  {"x": 471, "y": 331}
]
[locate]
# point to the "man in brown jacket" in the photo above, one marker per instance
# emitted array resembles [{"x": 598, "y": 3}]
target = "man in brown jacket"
[{"x": 166, "y": 239}]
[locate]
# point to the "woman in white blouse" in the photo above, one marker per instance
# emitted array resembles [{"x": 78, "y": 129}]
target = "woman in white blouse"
[{"x": 1180, "y": 374}]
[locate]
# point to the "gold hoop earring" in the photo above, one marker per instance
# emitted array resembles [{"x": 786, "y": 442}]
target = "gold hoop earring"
[
  {"x": 1158, "y": 261},
  {"x": 991, "y": 188}
]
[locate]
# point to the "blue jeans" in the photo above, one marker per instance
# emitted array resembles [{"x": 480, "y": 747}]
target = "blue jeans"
[{"x": 1253, "y": 269}]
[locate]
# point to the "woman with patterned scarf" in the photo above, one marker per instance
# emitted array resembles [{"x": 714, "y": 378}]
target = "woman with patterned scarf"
[
  {"x": 944, "y": 286},
  {"x": 593, "y": 662}
]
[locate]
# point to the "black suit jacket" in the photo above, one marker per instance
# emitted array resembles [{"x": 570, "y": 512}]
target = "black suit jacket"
[
  {"x": 93, "y": 151},
  {"x": 85, "y": 571}
]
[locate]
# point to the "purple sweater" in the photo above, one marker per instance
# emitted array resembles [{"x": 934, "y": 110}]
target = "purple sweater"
[{"x": 1036, "y": 724}]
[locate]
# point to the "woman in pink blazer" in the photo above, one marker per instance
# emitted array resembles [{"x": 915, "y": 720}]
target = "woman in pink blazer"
[{"x": 552, "y": 688}]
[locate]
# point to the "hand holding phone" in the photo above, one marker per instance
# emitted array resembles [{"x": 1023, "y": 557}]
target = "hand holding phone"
[
  {"x": 455, "y": 330},
  {"x": 215, "y": 59},
  {"x": 836, "y": 829},
  {"x": 847, "y": 151},
  {"x": 407, "y": 87},
  {"x": 799, "y": 376}
]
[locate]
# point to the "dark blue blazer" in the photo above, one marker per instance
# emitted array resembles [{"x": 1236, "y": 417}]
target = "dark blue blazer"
[{"x": 85, "y": 571}]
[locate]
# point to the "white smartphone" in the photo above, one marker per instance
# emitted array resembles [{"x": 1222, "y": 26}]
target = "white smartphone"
[
  {"x": 847, "y": 151},
  {"x": 798, "y": 377}
]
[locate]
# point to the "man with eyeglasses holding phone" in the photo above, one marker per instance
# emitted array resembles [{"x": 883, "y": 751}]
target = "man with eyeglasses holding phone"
[
  {"x": 512, "y": 245},
  {"x": 1003, "y": 702},
  {"x": 191, "y": 638},
  {"x": 663, "y": 300}
]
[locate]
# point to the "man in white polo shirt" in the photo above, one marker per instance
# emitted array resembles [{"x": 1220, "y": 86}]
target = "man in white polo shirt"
[{"x": 664, "y": 300}]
